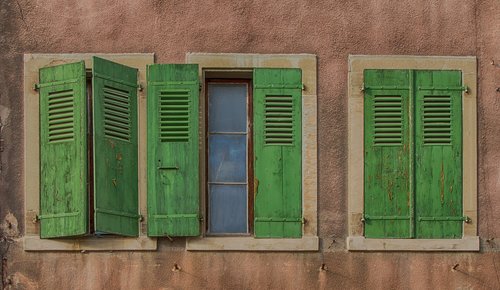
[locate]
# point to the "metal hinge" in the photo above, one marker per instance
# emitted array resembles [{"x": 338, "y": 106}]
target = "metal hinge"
[
  {"x": 201, "y": 218},
  {"x": 36, "y": 86},
  {"x": 140, "y": 87}
]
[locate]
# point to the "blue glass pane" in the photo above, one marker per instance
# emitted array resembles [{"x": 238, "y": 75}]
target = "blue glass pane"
[
  {"x": 227, "y": 160},
  {"x": 228, "y": 209},
  {"x": 227, "y": 108}
]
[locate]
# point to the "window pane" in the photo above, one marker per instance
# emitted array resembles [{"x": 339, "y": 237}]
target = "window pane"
[
  {"x": 228, "y": 209},
  {"x": 227, "y": 108},
  {"x": 227, "y": 158}
]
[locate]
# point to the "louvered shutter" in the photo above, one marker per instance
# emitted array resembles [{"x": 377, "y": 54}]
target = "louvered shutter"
[
  {"x": 277, "y": 147},
  {"x": 438, "y": 154},
  {"x": 173, "y": 157},
  {"x": 387, "y": 175},
  {"x": 115, "y": 148},
  {"x": 63, "y": 151}
]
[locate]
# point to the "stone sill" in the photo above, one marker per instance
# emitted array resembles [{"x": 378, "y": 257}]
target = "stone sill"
[
  {"x": 306, "y": 244},
  {"x": 141, "y": 243},
  {"x": 466, "y": 244}
]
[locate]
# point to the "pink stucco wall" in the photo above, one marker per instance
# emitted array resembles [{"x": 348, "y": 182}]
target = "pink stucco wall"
[{"x": 330, "y": 29}]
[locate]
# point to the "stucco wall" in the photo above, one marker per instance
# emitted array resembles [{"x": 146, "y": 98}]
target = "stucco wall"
[{"x": 330, "y": 29}]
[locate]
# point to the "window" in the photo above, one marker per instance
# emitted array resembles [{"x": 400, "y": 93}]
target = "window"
[
  {"x": 82, "y": 163},
  {"x": 278, "y": 114},
  {"x": 416, "y": 143}
]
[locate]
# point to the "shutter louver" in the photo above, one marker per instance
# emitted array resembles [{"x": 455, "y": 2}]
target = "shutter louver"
[
  {"x": 116, "y": 113},
  {"x": 63, "y": 151},
  {"x": 388, "y": 120},
  {"x": 174, "y": 115},
  {"x": 279, "y": 120},
  {"x": 436, "y": 120}
]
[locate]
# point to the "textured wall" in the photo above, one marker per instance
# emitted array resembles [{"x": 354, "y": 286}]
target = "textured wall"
[{"x": 329, "y": 29}]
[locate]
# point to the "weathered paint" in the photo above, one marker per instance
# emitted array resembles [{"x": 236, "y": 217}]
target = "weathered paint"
[
  {"x": 278, "y": 150},
  {"x": 173, "y": 160}
]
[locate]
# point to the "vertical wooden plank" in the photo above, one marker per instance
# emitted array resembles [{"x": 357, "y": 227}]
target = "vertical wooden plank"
[
  {"x": 278, "y": 153},
  {"x": 387, "y": 143},
  {"x": 115, "y": 148},
  {"x": 63, "y": 151},
  {"x": 438, "y": 154},
  {"x": 173, "y": 157}
]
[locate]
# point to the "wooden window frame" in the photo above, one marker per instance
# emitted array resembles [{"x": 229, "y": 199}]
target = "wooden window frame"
[
  {"x": 32, "y": 241},
  {"x": 357, "y": 64},
  {"x": 250, "y": 154},
  {"x": 238, "y": 65}
]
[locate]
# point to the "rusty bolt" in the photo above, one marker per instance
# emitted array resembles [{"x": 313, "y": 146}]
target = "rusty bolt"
[
  {"x": 323, "y": 268},
  {"x": 176, "y": 268}
]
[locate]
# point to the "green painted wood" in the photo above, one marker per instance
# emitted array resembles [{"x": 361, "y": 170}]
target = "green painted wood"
[
  {"x": 278, "y": 152},
  {"x": 63, "y": 151},
  {"x": 387, "y": 143},
  {"x": 438, "y": 154},
  {"x": 173, "y": 156},
  {"x": 115, "y": 148}
]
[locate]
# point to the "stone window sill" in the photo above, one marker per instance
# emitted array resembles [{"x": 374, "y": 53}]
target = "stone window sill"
[
  {"x": 465, "y": 244},
  {"x": 306, "y": 244}
]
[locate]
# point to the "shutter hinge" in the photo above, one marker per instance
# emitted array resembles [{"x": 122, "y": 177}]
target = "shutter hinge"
[
  {"x": 467, "y": 220},
  {"x": 200, "y": 87},
  {"x": 304, "y": 221},
  {"x": 36, "y": 86},
  {"x": 140, "y": 87},
  {"x": 200, "y": 218},
  {"x": 36, "y": 219},
  {"x": 466, "y": 89},
  {"x": 141, "y": 218},
  {"x": 303, "y": 87},
  {"x": 362, "y": 89}
]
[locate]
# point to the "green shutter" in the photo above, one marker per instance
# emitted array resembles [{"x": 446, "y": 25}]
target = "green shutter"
[
  {"x": 438, "y": 154},
  {"x": 115, "y": 148},
  {"x": 173, "y": 156},
  {"x": 387, "y": 143},
  {"x": 63, "y": 151},
  {"x": 277, "y": 146}
]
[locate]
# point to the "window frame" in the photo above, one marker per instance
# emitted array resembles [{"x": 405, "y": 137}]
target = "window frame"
[
  {"x": 357, "y": 64},
  {"x": 32, "y": 240},
  {"x": 237, "y": 64}
]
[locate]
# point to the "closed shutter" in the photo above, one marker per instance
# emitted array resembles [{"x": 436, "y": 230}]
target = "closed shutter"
[
  {"x": 63, "y": 151},
  {"x": 387, "y": 143},
  {"x": 278, "y": 150},
  {"x": 173, "y": 157},
  {"x": 438, "y": 154},
  {"x": 115, "y": 148}
]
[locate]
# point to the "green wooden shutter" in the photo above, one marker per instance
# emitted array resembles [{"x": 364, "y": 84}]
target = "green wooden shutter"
[
  {"x": 387, "y": 149},
  {"x": 278, "y": 149},
  {"x": 173, "y": 157},
  {"x": 63, "y": 151},
  {"x": 438, "y": 154},
  {"x": 115, "y": 148}
]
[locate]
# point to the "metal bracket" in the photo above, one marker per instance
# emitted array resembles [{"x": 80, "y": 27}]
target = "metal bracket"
[
  {"x": 141, "y": 218},
  {"x": 140, "y": 87},
  {"x": 36, "y": 87},
  {"x": 36, "y": 219},
  {"x": 362, "y": 89}
]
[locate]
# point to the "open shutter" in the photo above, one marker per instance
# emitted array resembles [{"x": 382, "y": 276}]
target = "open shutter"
[
  {"x": 278, "y": 152},
  {"x": 173, "y": 157},
  {"x": 63, "y": 151},
  {"x": 387, "y": 143},
  {"x": 115, "y": 148},
  {"x": 438, "y": 154}
]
